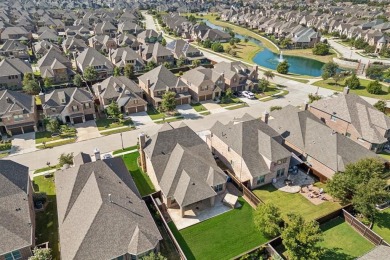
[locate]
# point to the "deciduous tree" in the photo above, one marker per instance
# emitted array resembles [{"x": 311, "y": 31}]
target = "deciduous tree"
[
  {"x": 129, "y": 70},
  {"x": 65, "y": 158},
  {"x": 41, "y": 254},
  {"x": 268, "y": 220},
  {"x": 90, "y": 74},
  {"x": 168, "y": 103}
]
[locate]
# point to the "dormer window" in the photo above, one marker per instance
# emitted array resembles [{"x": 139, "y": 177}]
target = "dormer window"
[{"x": 75, "y": 108}]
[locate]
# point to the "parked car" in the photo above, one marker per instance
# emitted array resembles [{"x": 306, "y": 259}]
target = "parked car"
[{"x": 248, "y": 94}]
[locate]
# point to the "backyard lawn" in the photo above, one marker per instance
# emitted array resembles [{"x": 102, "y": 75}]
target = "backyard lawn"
[
  {"x": 105, "y": 123},
  {"x": 382, "y": 224},
  {"x": 342, "y": 242},
  {"x": 142, "y": 180},
  {"x": 294, "y": 202},
  {"x": 221, "y": 237},
  {"x": 47, "y": 222},
  {"x": 330, "y": 84}
]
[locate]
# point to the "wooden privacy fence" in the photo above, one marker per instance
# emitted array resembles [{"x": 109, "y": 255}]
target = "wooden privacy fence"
[
  {"x": 363, "y": 229},
  {"x": 248, "y": 194},
  {"x": 167, "y": 229}
]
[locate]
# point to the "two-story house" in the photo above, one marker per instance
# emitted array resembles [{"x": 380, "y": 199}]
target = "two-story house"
[
  {"x": 251, "y": 149},
  {"x": 14, "y": 49},
  {"x": 352, "y": 116},
  {"x": 73, "y": 44},
  {"x": 182, "y": 49},
  {"x": 100, "y": 205},
  {"x": 55, "y": 66},
  {"x": 105, "y": 28},
  {"x": 128, "y": 27},
  {"x": 180, "y": 164},
  {"x": 323, "y": 150},
  {"x": 123, "y": 91},
  {"x": 238, "y": 76},
  {"x": 17, "y": 113},
  {"x": 149, "y": 36},
  {"x": 12, "y": 72},
  {"x": 70, "y": 105},
  {"x": 92, "y": 58},
  {"x": 156, "y": 53},
  {"x": 102, "y": 43},
  {"x": 125, "y": 55},
  {"x": 17, "y": 238},
  {"x": 204, "y": 83},
  {"x": 15, "y": 33},
  {"x": 160, "y": 80}
]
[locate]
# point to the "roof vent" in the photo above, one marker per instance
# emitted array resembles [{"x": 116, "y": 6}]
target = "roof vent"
[
  {"x": 109, "y": 198},
  {"x": 193, "y": 183},
  {"x": 127, "y": 92}
]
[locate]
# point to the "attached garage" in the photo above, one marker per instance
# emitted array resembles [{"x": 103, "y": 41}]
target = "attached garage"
[
  {"x": 89, "y": 117},
  {"x": 28, "y": 129},
  {"x": 184, "y": 101},
  {"x": 16, "y": 131},
  {"x": 131, "y": 110},
  {"x": 77, "y": 120},
  {"x": 140, "y": 108},
  {"x": 209, "y": 97},
  {"x": 202, "y": 98}
]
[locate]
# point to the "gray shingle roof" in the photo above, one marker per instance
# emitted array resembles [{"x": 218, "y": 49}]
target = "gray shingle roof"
[
  {"x": 91, "y": 57},
  {"x": 92, "y": 227},
  {"x": 15, "y": 219},
  {"x": 54, "y": 98},
  {"x": 305, "y": 131},
  {"x": 183, "y": 164},
  {"x": 161, "y": 79},
  {"x": 362, "y": 115},
  {"x": 12, "y": 101},
  {"x": 14, "y": 66},
  {"x": 253, "y": 140}
]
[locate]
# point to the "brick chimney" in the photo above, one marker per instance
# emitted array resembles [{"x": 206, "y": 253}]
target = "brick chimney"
[
  {"x": 141, "y": 143},
  {"x": 265, "y": 117}
]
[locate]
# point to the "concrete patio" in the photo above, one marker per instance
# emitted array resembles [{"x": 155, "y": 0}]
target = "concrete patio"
[
  {"x": 298, "y": 180},
  {"x": 202, "y": 211}
]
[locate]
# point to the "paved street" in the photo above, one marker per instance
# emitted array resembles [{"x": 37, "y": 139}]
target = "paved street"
[{"x": 297, "y": 96}]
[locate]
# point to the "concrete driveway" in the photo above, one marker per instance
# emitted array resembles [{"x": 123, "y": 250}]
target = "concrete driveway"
[
  {"x": 140, "y": 119},
  {"x": 86, "y": 131},
  {"x": 23, "y": 143},
  {"x": 187, "y": 111}
]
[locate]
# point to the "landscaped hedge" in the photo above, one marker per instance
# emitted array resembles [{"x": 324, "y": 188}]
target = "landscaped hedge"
[{"x": 5, "y": 146}]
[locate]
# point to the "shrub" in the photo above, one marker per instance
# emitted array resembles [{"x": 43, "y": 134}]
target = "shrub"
[
  {"x": 374, "y": 87},
  {"x": 283, "y": 67},
  {"x": 321, "y": 49},
  {"x": 273, "y": 108},
  {"x": 352, "y": 82}
]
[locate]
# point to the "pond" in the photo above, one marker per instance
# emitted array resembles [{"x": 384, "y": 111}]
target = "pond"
[{"x": 268, "y": 59}]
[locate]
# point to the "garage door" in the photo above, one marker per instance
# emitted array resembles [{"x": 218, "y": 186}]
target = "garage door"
[
  {"x": 140, "y": 108},
  {"x": 209, "y": 97},
  {"x": 89, "y": 117},
  {"x": 202, "y": 98},
  {"x": 28, "y": 129},
  {"x": 131, "y": 110},
  {"x": 78, "y": 120},
  {"x": 16, "y": 131},
  {"x": 184, "y": 101}
]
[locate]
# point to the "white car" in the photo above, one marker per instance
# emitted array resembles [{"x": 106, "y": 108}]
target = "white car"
[{"x": 248, "y": 94}]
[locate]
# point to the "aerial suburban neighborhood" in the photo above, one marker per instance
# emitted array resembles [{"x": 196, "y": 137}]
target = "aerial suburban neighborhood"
[{"x": 183, "y": 129}]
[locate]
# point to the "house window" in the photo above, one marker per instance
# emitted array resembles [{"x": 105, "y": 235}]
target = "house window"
[
  {"x": 218, "y": 188},
  {"x": 18, "y": 117},
  {"x": 75, "y": 108},
  {"x": 15, "y": 255},
  {"x": 53, "y": 109},
  {"x": 282, "y": 161},
  {"x": 260, "y": 179},
  {"x": 87, "y": 105},
  {"x": 348, "y": 135},
  {"x": 280, "y": 172},
  {"x": 333, "y": 118}
]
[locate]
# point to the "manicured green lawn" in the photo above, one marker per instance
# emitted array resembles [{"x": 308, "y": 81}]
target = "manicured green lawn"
[
  {"x": 154, "y": 114},
  {"x": 177, "y": 118},
  {"x": 240, "y": 105},
  {"x": 198, "y": 107},
  {"x": 52, "y": 167},
  {"x": 141, "y": 179},
  {"x": 385, "y": 155},
  {"x": 308, "y": 53},
  {"x": 45, "y": 136},
  {"x": 59, "y": 143},
  {"x": 233, "y": 101},
  {"x": 221, "y": 237},
  {"x": 342, "y": 242},
  {"x": 382, "y": 224},
  {"x": 134, "y": 147},
  {"x": 330, "y": 84},
  {"x": 244, "y": 50},
  {"x": 46, "y": 221},
  {"x": 104, "y": 123},
  {"x": 294, "y": 202},
  {"x": 116, "y": 131}
]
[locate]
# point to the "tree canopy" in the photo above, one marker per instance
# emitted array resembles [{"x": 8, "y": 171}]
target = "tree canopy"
[
  {"x": 168, "y": 101},
  {"x": 283, "y": 67},
  {"x": 321, "y": 49},
  {"x": 90, "y": 74},
  {"x": 65, "y": 158},
  {"x": 41, "y": 254},
  {"x": 77, "y": 80},
  {"x": 53, "y": 125},
  {"x": 330, "y": 69},
  {"x": 268, "y": 220},
  {"x": 352, "y": 82},
  {"x": 113, "y": 109},
  {"x": 381, "y": 105},
  {"x": 129, "y": 70}
]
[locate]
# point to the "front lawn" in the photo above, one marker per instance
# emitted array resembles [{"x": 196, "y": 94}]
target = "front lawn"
[
  {"x": 342, "y": 242},
  {"x": 141, "y": 179},
  {"x": 294, "y": 202},
  {"x": 131, "y": 148},
  {"x": 330, "y": 84},
  {"x": 46, "y": 221},
  {"x": 198, "y": 107},
  {"x": 105, "y": 123},
  {"x": 382, "y": 224},
  {"x": 385, "y": 155},
  {"x": 55, "y": 144},
  {"x": 233, "y": 101},
  {"x": 46, "y": 137},
  {"x": 154, "y": 114},
  {"x": 118, "y": 130},
  {"x": 48, "y": 168},
  {"x": 221, "y": 237}
]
